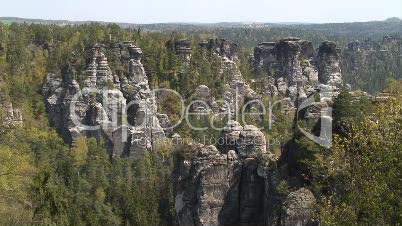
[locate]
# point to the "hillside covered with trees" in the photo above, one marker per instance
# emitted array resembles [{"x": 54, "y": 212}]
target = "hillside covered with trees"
[{"x": 44, "y": 180}]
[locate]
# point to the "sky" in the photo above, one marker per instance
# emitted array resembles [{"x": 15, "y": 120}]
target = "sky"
[{"x": 204, "y": 11}]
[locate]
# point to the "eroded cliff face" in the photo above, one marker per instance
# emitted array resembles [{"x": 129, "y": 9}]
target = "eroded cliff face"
[
  {"x": 294, "y": 70},
  {"x": 97, "y": 107},
  {"x": 235, "y": 184}
]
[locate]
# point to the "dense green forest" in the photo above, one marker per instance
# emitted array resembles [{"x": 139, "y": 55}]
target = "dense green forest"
[{"x": 44, "y": 181}]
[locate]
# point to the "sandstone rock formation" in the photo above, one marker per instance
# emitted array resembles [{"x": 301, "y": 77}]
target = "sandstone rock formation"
[
  {"x": 294, "y": 70},
  {"x": 183, "y": 50},
  {"x": 355, "y": 56},
  {"x": 298, "y": 207},
  {"x": 236, "y": 181},
  {"x": 237, "y": 91},
  {"x": 359, "y": 55},
  {"x": 101, "y": 100},
  {"x": 235, "y": 184},
  {"x": 222, "y": 47},
  {"x": 329, "y": 70},
  {"x": 9, "y": 115}
]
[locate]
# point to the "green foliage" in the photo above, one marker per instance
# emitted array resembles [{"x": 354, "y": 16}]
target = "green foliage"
[
  {"x": 348, "y": 109},
  {"x": 375, "y": 67},
  {"x": 366, "y": 170},
  {"x": 16, "y": 172},
  {"x": 142, "y": 191},
  {"x": 53, "y": 184},
  {"x": 358, "y": 179}
]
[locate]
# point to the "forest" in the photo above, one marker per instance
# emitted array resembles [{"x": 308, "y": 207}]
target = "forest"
[{"x": 46, "y": 181}]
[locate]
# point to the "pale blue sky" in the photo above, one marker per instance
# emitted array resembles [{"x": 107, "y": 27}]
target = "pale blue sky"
[{"x": 151, "y": 11}]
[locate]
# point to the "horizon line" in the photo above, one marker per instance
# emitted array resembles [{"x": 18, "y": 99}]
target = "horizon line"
[{"x": 195, "y": 23}]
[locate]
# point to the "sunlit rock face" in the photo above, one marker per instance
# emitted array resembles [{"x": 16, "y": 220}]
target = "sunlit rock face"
[{"x": 100, "y": 101}]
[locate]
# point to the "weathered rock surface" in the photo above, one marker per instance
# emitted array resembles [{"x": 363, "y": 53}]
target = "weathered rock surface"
[
  {"x": 203, "y": 179},
  {"x": 101, "y": 101},
  {"x": 356, "y": 55},
  {"x": 248, "y": 174},
  {"x": 222, "y": 47},
  {"x": 235, "y": 184},
  {"x": 9, "y": 115},
  {"x": 251, "y": 142},
  {"x": 298, "y": 207},
  {"x": 329, "y": 70},
  {"x": 294, "y": 70}
]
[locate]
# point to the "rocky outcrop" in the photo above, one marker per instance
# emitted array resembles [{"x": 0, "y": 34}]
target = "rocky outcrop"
[
  {"x": 204, "y": 101},
  {"x": 183, "y": 50},
  {"x": 265, "y": 59},
  {"x": 291, "y": 52},
  {"x": 240, "y": 163},
  {"x": 234, "y": 184},
  {"x": 329, "y": 70},
  {"x": 363, "y": 59},
  {"x": 251, "y": 142},
  {"x": 97, "y": 106},
  {"x": 9, "y": 115},
  {"x": 288, "y": 66},
  {"x": 203, "y": 179},
  {"x": 298, "y": 208},
  {"x": 292, "y": 68},
  {"x": 290, "y": 59},
  {"x": 237, "y": 92},
  {"x": 222, "y": 47}
]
